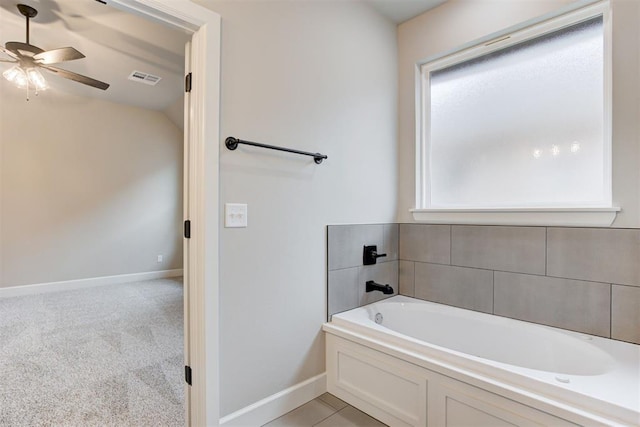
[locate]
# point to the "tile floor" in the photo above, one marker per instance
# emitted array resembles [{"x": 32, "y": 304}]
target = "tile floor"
[{"x": 325, "y": 411}]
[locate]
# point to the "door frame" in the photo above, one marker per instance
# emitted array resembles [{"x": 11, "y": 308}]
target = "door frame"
[{"x": 202, "y": 142}]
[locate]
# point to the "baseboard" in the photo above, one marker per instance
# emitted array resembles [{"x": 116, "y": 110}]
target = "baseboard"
[
  {"x": 68, "y": 285},
  {"x": 277, "y": 404}
]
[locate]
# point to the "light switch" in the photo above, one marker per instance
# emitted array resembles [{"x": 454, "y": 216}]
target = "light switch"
[{"x": 235, "y": 215}]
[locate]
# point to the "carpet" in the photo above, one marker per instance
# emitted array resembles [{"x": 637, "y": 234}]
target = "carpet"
[{"x": 102, "y": 356}]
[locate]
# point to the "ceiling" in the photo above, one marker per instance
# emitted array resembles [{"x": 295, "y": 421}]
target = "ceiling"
[
  {"x": 115, "y": 43},
  {"x": 399, "y": 11}
]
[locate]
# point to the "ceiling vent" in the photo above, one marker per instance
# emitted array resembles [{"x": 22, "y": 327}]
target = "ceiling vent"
[{"x": 146, "y": 78}]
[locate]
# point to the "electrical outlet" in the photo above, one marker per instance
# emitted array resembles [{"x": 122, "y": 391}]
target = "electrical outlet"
[
  {"x": 235, "y": 215},
  {"x": 159, "y": 258}
]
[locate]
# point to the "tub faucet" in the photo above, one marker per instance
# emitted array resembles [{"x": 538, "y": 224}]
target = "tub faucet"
[{"x": 373, "y": 286}]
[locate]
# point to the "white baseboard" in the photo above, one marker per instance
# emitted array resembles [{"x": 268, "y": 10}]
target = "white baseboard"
[
  {"x": 277, "y": 404},
  {"x": 68, "y": 285}
]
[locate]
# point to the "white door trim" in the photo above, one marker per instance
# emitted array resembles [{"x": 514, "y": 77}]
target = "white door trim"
[
  {"x": 186, "y": 211},
  {"x": 201, "y": 271}
]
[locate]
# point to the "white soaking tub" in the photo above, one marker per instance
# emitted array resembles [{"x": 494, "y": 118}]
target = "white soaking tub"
[{"x": 410, "y": 362}]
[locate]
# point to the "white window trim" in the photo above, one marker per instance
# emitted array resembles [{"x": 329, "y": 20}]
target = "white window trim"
[
  {"x": 576, "y": 217},
  {"x": 601, "y": 215}
]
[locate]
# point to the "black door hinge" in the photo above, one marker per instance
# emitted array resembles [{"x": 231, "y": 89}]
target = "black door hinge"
[
  {"x": 187, "y": 374},
  {"x": 187, "y": 83},
  {"x": 187, "y": 229}
]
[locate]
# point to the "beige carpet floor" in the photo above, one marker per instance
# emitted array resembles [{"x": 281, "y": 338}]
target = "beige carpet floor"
[{"x": 102, "y": 356}]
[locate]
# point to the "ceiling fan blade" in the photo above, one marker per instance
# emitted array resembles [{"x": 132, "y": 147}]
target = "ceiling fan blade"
[
  {"x": 8, "y": 60},
  {"x": 77, "y": 77},
  {"x": 16, "y": 47},
  {"x": 8, "y": 52},
  {"x": 58, "y": 55}
]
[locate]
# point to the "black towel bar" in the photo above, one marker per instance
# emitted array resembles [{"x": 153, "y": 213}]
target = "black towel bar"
[{"x": 232, "y": 144}]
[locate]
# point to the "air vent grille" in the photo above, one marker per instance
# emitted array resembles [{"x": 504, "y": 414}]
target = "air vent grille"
[{"x": 146, "y": 78}]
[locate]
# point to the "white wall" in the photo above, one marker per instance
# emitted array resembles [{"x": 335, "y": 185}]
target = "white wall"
[
  {"x": 318, "y": 76},
  {"x": 458, "y": 22},
  {"x": 175, "y": 113},
  {"x": 88, "y": 188}
]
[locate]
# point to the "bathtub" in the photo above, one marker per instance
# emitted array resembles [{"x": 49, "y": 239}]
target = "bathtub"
[{"x": 410, "y": 362}]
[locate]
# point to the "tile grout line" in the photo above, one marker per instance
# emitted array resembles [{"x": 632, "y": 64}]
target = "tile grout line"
[
  {"x": 327, "y": 417},
  {"x": 414, "y": 279},
  {"x": 610, "y": 310},
  {"x": 450, "y": 244},
  {"x": 523, "y": 273},
  {"x": 493, "y": 288},
  {"x": 358, "y": 266},
  {"x": 546, "y": 249}
]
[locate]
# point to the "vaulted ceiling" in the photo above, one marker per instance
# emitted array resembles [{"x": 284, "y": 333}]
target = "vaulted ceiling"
[{"x": 115, "y": 43}]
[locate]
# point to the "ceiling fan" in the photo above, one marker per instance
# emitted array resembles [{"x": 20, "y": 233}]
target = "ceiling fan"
[{"x": 30, "y": 59}]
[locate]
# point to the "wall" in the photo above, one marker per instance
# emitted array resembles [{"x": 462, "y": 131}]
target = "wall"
[
  {"x": 317, "y": 76},
  {"x": 88, "y": 188},
  {"x": 175, "y": 113},
  {"x": 458, "y": 22}
]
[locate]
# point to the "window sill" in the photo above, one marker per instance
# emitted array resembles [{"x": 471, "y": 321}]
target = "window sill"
[{"x": 573, "y": 217}]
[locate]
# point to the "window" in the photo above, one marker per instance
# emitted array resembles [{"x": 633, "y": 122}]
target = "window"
[{"x": 520, "y": 122}]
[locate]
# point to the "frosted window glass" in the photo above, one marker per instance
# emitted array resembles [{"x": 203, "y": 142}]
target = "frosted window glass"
[{"x": 523, "y": 126}]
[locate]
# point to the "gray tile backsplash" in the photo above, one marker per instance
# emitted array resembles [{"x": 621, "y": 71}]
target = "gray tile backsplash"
[
  {"x": 406, "y": 278},
  {"x": 390, "y": 244},
  {"x": 597, "y": 254},
  {"x": 517, "y": 249},
  {"x": 459, "y": 286},
  {"x": 346, "y": 242},
  {"x": 346, "y": 274},
  {"x": 625, "y": 313},
  {"x": 582, "y": 279},
  {"x": 425, "y": 243},
  {"x": 343, "y": 289},
  {"x": 563, "y": 303}
]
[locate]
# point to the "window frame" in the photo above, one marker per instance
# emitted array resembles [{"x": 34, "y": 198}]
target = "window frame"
[{"x": 595, "y": 215}]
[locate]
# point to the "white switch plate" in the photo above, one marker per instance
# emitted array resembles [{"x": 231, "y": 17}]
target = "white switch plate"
[
  {"x": 235, "y": 215},
  {"x": 159, "y": 258}
]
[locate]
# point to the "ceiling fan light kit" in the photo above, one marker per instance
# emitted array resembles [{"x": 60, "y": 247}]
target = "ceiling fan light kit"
[
  {"x": 16, "y": 76},
  {"x": 29, "y": 58},
  {"x": 22, "y": 79}
]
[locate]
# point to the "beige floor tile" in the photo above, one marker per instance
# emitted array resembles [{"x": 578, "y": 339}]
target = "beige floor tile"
[
  {"x": 333, "y": 401},
  {"x": 350, "y": 417},
  {"x": 307, "y": 415}
]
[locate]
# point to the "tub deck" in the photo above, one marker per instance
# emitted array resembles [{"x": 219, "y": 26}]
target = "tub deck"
[{"x": 587, "y": 374}]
